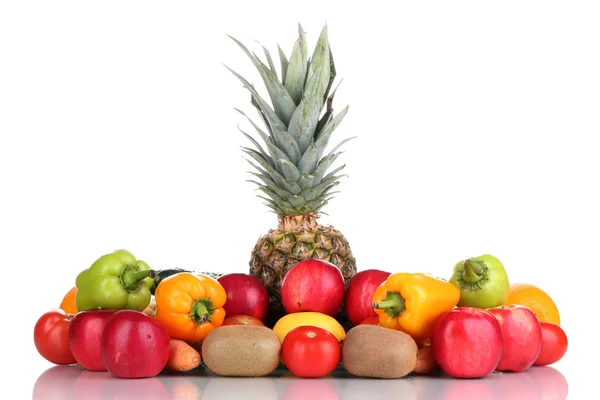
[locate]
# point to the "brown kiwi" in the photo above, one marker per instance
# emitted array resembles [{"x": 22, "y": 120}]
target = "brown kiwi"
[
  {"x": 241, "y": 350},
  {"x": 372, "y": 351}
]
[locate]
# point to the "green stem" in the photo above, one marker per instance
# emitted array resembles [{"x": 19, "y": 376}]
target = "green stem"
[
  {"x": 131, "y": 278},
  {"x": 393, "y": 304},
  {"x": 202, "y": 310},
  {"x": 473, "y": 271}
]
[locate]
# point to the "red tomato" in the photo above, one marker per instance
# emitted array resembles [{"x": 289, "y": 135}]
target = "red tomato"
[
  {"x": 370, "y": 321},
  {"x": 51, "y": 337},
  {"x": 554, "y": 344},
  {"x": 242, "y": 320},
  {"x": 311, "y": 352}
]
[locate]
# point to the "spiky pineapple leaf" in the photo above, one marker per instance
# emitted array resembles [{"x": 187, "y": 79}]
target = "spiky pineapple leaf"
[
  {"x": 302, "y": 125},
  {"x": 266, "y": 138},
  {"x": 277, "y": 190},
  {"x": 272, "y": 172},
  {"x": 323, "y": 139},
  {"x": 259, "y": 148},
  {"x": 323, "y": 166},
  {"x": 270, "y": 61},
  {"x": 309, "y": 194},
  {"x": 289, "y": 170},
  {"x": 286, "y": 143},
  {"x": 306, "y": 181},
  {"x": 296, "y": 69},
  {"x": 264, "y": 107},
  {"x": 292, "y": 186},
  {"x": 308, "y": 162},
  {"x": 284, "y": 63},
  {"x": 297, "y": 201},
  {"x": 282, "y": 101}
]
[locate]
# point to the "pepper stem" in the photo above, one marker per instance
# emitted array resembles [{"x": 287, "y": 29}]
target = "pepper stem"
[
  {"x": 393, "y": 304},
  {"x": 473, "y": 271},
  {"x": 131, "y": 277},
  {"x": 202, "y": 310}
]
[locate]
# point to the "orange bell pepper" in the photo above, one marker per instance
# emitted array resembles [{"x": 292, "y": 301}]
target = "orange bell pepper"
[
  {"x": 412, "y": 302},
  {"x": 190, "y": 305}
]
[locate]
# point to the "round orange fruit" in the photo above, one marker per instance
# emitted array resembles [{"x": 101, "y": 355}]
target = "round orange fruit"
[
  {"x": 68, "y": 302},
  {"x": 536, "y": 300}
]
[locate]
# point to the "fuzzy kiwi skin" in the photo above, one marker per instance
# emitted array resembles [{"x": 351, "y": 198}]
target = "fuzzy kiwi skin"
[
  {"x": 241, "y": 350},
  {"x": 371, "y": 351}
]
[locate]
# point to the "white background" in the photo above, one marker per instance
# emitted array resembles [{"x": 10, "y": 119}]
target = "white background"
[{"x": 477, "y": 127}]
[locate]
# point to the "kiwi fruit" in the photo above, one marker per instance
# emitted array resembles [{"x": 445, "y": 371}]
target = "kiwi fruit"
[
  {"x": 241, "y": 350},
  {"x": 372, "y": 351}
]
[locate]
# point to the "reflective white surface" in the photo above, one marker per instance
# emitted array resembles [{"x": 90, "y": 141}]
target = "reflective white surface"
[{"x": 66, "y": 383}]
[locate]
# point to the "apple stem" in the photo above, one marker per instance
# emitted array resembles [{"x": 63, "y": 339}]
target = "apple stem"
[
  {"x": 473, "y": 272},
  {"x": 393, "y": 304},
  {"x": 202, "y": 310}
]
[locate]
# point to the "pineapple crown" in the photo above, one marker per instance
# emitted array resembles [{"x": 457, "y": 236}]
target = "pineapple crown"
[{"x": 293, "y": 171}]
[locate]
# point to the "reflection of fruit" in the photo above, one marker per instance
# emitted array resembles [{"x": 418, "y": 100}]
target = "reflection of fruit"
[
  {"x": 551, "y": 384},
  {"x": 219, "y": 388},
  {"x": 522, "y": 337},
  {"x": 89, "y": 385},
  {"x": 536, "y": 300},
  {"x": 520, "y": 386},
  {"x": 55, "y": 383},
  {"x": 381, "y": 389},
  {"x": 455, "y": 389},
  {"x": 68, "y": 302},
  {"x": 321, "y": 389},
  {"x": 554, "y": 344},
  {"x": 182, "y": 387},
  {"x": 147, "y": 389}
]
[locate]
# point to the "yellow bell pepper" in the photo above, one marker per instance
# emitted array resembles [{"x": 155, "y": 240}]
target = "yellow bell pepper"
[{"x": 412, "y": 302}]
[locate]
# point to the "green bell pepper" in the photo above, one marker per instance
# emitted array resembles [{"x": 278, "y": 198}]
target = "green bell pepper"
[
  {"x": 117, "y": 281},
  {"x": 482, "y": 281}
]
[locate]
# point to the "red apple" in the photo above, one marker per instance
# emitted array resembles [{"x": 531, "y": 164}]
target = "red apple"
[
  {"x": 522, "y": 337},
  {"x": 246, "y": 295},
  {"x": 358, "y": 301},
  {"x": 134, "y": 345},
  {"x": 313, "y": 285},
  {"x": 85, "y": 334},
  {"x": 467, "y": 342}
]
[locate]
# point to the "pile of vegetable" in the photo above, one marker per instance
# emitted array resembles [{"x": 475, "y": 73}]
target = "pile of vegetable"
[{"x": 134, "y": 322}]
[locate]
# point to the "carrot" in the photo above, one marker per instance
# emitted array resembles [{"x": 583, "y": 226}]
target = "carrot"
[
  {"x": 182, "y": 356},
  {"x": 426, "y": 363}
]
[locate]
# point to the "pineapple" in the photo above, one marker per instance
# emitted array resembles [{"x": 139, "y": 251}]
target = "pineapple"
[{"x": 293, "y": 173}]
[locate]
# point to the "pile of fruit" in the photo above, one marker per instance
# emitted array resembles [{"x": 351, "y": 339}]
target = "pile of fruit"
[
  {"x": 302, "y": 303},
  {"x": 134, "y": 322}
]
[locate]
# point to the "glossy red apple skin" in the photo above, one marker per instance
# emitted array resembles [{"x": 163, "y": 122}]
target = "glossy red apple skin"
[
  {"x": 358, "y": 300},
  {"x": 246, "y": 295},
  {"x": 522, "y": 335},
  {"x": 467, "y": 342},
  {"x": 85, "y": 335},
  {"x": 134, "y": 345},
  {"x": 313, "y": 285}
]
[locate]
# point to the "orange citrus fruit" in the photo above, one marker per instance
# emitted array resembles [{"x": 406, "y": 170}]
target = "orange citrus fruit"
[
  {"x": 68, "y": 302},
  {"x": 536, "y": 300}
]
